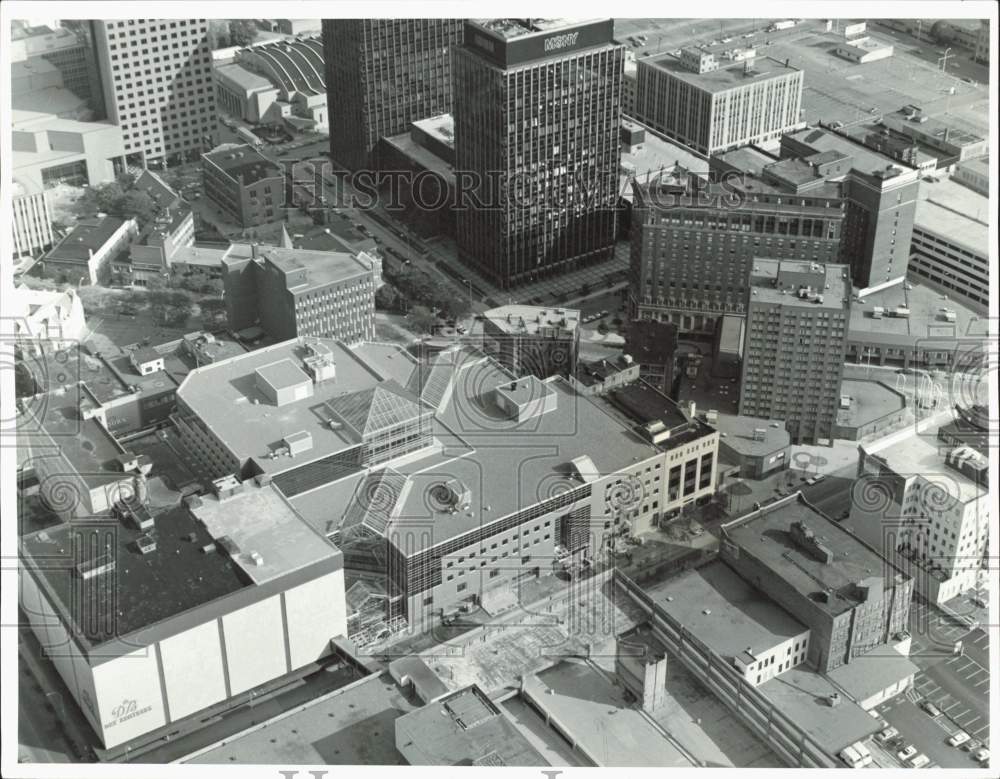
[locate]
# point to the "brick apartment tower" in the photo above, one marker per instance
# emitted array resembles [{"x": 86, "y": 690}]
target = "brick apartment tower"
[
  {"x": 537, "y": 121},
  {"x": 694, "y": 240},
  {"x": 382, "y": 74},
  {"x": 798, "y": 316}
]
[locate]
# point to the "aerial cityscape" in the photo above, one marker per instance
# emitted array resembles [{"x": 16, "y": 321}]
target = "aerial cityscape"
[{"x": 528, "y": 392}]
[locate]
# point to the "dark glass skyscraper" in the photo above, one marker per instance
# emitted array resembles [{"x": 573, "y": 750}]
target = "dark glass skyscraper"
[
  {"x": 537, "y": 121},
  {"x": 382, "y": 74}
]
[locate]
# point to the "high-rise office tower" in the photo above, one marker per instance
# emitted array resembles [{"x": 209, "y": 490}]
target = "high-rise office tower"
[
  {"x": 537, "y": 122},
  {"x": 382, "y": 74},
  {"x": 798, "y": 315},
  {"x": 694, "y": 239},
  {"x": 157, "y": 80}
]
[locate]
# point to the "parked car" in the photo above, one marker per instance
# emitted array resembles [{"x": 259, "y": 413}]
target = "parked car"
[
  {"x": 930, "y": 708},
  {"x": 886, "y": 735},
  {"x": 906, "y": 753},
  {"x": 920, "y": 761},
  {"x": 958, "y": 738},
  {"x": 981, "y": 755}
]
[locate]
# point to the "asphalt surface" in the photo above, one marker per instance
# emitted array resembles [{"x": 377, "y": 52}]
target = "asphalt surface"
[{"x": 832, "y": 495}]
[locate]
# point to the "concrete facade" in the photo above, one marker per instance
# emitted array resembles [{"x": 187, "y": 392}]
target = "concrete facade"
[
  {"x": 712, "y": 105},
  {"x": 175, "y": 112}
]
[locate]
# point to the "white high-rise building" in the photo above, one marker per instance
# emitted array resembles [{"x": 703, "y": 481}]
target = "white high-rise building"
[
  {"x": 924, "y": 502},
  {"x": 157, "y": 80}
]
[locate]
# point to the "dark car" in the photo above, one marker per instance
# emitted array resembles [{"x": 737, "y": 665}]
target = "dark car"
[{"x": 930, "y": 708}]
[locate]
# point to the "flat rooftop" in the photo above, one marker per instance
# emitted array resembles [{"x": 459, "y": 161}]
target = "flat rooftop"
[
  {"x": 801, "y": 694},
  {"x": 510, "y": 29},
  {"x": 723, "y": 611},
  {"x": 440, "y": 127},
  {"x": 728, "y": 77},
  {"x": 223, "y": 395},
  {"x": 923, "y": 456},
  {"x": 465, "y": 728},
  {"x": 647, "y": 160},
  {"x": 88, "y": 236},
  {"x": 871, "y": 672},
  {"x": 835, "y": 288},
  {"x": 870, "y": 400},
  {"x": 144, "y": 588},
  {"x": 645, "y": 404},
  {"x": 66, "y": 367},
  {"x": 243, "y": 161},
  {"x": 737, "y": 432},
  {"x": 260, "y": 521},
  {"x": 591, "y": 372},
  {"x": 864, "y": 159},
  {"x": 866, "y": 44},
  {"x": 321, "y": 267},
  {"x": 593, "y": 712},
  {"x": 518, "y": 319},
  {"x": 243, "y": 78},
  {"x": 352, "y": 726},
  {"x": 931, "y": 126},
  {"x": 765, "y": 535},
  {"x": 926, "y": 320},
  {"x": 955, "y": 213},
  {"x": 90, "y": 449},
  {"x": 505, "y": 465}
]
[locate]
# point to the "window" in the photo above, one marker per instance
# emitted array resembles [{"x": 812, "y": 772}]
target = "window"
[{"x": 462, "y": 586}]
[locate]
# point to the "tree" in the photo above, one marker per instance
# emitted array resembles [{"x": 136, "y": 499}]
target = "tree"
[
  {"x": 387, "y": 298},
  {"x": 218, "y": 33},
  {"x": 213, "y": 287},
  {"x": 423, "y": 319},
  {"x": 242, "y": 32},
  {"x": 138, "y": 205},
  {"x": 455, "y": 307}
]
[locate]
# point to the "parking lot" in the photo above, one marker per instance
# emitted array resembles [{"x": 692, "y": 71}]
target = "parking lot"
[{"x": 838, "y": 90}]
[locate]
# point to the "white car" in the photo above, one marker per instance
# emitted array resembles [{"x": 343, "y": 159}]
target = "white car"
[
  {"x": 887, "y": 734},
  {"x": 920, "y": 761},
  {"x": 958, "y": 738},
  {"x": 906, "y": 753},
  {"x": 982, "y": 756}
]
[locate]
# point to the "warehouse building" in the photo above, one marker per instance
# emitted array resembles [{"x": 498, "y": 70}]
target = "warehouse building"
[
  {"x": 245, "y": 184},
  {"x": 850, "y": 597},
  {"x": 714, "y": 104},
  {"x": 150, "y": 620}
]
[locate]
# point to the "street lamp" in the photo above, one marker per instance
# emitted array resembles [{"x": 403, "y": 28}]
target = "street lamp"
[{"x": 469, "y": 282}]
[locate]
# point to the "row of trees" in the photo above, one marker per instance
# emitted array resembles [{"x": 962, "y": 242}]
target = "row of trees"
[
  {"x": 231, "y": 32},
  {"x": 410, "y": 290},
  {"x": 118, "y": 198}
]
